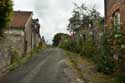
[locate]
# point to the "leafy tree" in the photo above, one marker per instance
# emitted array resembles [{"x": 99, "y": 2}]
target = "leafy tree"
[
  {"x": 82, "y": 17},
  {"x": 6, "y": 8},
  {"x": 58, "y": 38}
]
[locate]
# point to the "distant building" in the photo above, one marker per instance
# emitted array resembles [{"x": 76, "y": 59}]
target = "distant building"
[
  {"x": 23, "y": 31},
  {"x": 115, "y": 15},
  {"x": 36, "y": 38}
]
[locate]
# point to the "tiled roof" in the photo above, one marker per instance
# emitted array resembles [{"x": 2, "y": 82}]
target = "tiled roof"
[{"x": 19, "y": 19}]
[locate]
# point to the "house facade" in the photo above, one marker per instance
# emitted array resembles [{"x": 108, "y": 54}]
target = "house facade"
[
  {"x": 115, "y": 14},
  {"x": 23, "y": 31},
  {"x": 36, "y": 38},
  {"x": 21, "y": 36}
]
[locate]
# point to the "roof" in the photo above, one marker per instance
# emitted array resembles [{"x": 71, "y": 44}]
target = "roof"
[{"x": 19, "y": 19}]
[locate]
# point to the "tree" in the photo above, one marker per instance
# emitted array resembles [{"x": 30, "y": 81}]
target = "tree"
[
  {"x": 58, "y": 37},
  {"x": 75, "y": 20},
  {"x": 82, "y": 18},
  {"x": 6, "y": 8}
]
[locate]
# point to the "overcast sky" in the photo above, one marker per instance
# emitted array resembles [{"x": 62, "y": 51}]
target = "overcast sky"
[{"x": 54, "y": 14}]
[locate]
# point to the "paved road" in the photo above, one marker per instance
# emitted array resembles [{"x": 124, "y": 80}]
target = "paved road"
[{"x": 46, "y": 67}]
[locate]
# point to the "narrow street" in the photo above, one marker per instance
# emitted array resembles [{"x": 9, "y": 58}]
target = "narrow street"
[{"x": 46, "y": 67}]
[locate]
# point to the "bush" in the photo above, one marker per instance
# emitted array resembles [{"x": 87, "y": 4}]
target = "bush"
[
  {"x": 15, "y": 58},
  {"x": 70, "y": 46},
  {"x": 58, "y": 38},
  {"x": 105, "y": 64},
  {"x": 120, "y": 78},
  {"x": 101, "y": 55},
  {"x": 89, "y": 49},
  {"x": 104, "y": 59}
]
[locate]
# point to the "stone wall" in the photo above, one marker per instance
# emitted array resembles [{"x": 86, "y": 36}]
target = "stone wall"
[
  {"x": 8, "y": 43},
  {"x": 14, "y": 38},
  {"x": 5, "y": 58}
]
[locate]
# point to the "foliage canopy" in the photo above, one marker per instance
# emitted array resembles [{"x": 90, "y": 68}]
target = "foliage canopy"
[
  {"x": 58, "y": 37},
  {"x": 6, "y": 8}
]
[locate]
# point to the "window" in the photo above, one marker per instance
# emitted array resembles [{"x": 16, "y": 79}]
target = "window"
[{"x": 117, "y": 21}]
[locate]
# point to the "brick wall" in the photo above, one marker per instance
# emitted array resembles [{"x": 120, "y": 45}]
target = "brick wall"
[{"x": 111, "y": 6}]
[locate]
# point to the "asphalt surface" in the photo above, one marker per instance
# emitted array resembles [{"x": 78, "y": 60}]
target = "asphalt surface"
[{"x": 46, "y": 67}]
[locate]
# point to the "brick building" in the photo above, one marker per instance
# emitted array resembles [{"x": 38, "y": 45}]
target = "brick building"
[
  {"x": 115, "y": 21},
  {"x": 23, "y": 31},
  {"x": 115, "y": 14}
]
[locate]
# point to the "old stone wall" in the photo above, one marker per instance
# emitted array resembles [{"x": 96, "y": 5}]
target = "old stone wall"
[
  {"x": 14, "y": 38},
  {"x": 7, "y": 44},
  {"x": 5, "y": 58}
]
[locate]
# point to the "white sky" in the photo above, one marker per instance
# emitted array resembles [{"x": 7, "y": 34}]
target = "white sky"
[{"x": 54, "y": 14}]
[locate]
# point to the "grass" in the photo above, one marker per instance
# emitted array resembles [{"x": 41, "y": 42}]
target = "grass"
[
  {"x": 86, "y": 69},
  {"x": 73, "y": 60}
]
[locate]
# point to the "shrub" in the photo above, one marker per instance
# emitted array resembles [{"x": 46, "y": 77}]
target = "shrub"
[
  {"x": 101, "y": 54},
  {"x": 105, "y": 64},
  {"x": 70, "y": 46},
  {"x": 120, "y": 78},
  {"x": 58, "y": 38},
  {"x": 105, "y": 60},
  {"x": 15, "y": 58},
  {"x": 89, "y": 49}
]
